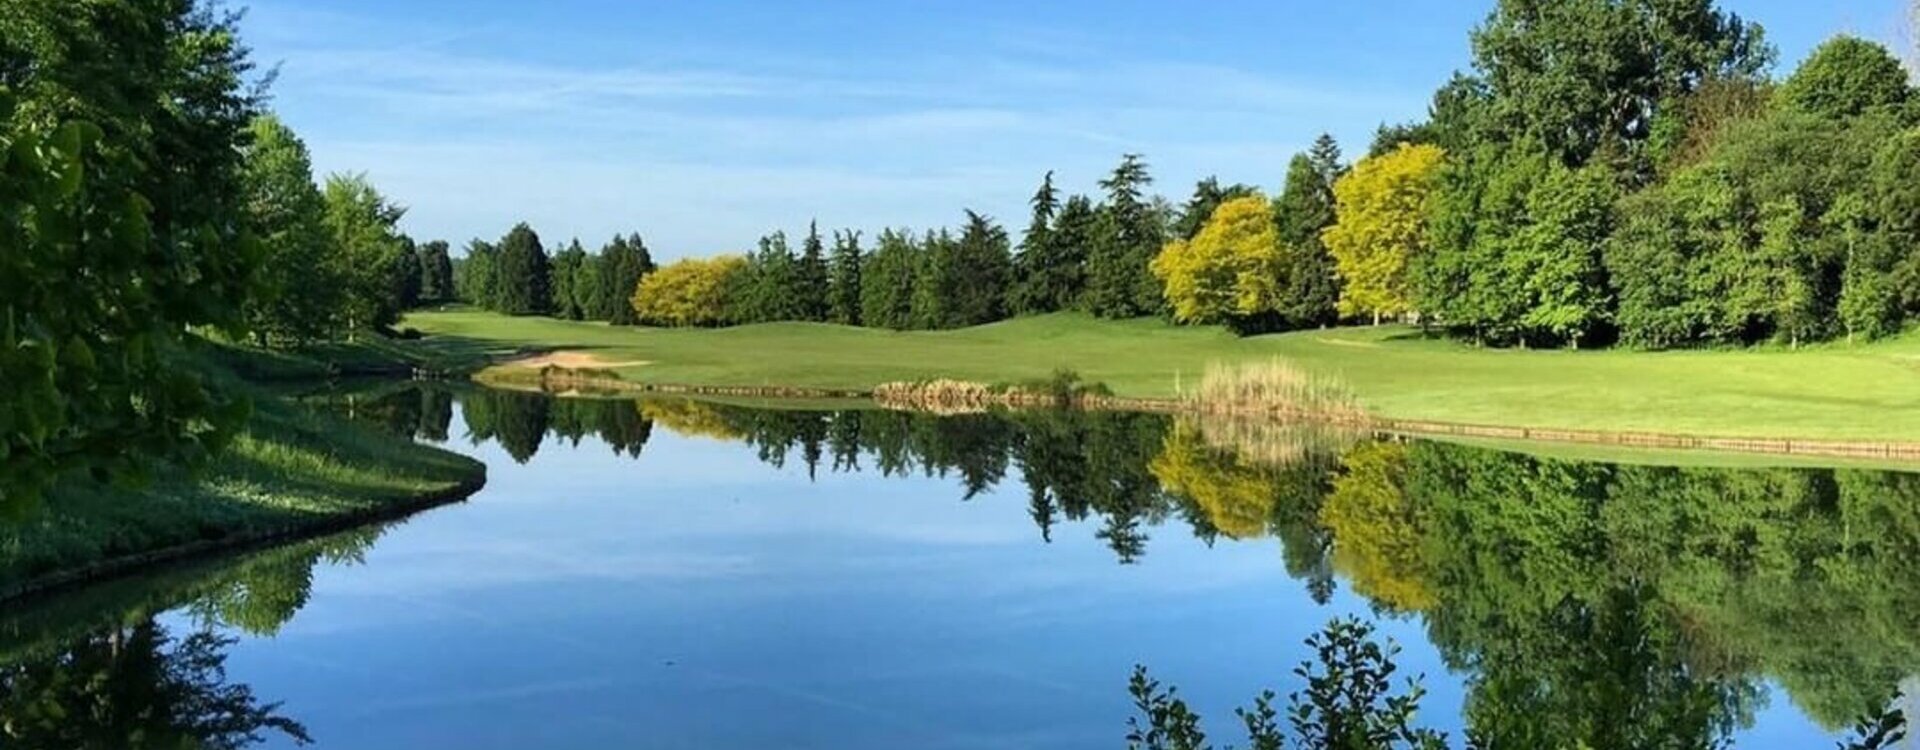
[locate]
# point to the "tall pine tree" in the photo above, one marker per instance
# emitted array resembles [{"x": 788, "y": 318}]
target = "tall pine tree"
[
  {"x": 566, "y": 273},
  {"x": 623, "y": 262},
  {"x": 436, "y": 273},
  {"x": 1207, "y": 196},
  {"x": 1304, "y": 210},
  {"x": 844, "y": 301},
  {"x": 973, "y": 274},
  {"x": 886, "y": 281},
  {"x": 1129, "y": 236},
  {"x": 1029, "y": 292},
  {"x": 813, "y": 280}
]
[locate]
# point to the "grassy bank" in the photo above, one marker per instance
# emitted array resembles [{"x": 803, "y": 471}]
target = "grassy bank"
[
  {"x": 292, "y": 473},
  {"x": 1840, "y": 392}
]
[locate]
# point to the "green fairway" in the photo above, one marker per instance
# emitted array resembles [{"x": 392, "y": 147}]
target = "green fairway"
[{"x": 1834, "y": 391}]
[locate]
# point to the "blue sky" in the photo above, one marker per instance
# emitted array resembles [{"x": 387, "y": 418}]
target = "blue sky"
[{"x": 703, "y": 125}]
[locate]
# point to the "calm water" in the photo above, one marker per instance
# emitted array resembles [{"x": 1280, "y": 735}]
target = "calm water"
[{"x": 672, "y": 574}]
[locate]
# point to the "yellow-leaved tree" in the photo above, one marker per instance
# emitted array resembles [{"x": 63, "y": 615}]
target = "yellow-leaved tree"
[
  {"x": 691, "y": 292},
  {"x": 1382, "y": 208},
  {"x": 1377, "y": 531},
  {"x": 1230, "y": 270}
]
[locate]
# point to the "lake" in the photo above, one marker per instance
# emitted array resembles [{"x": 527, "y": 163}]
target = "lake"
[{"x": 684, "y": 574}]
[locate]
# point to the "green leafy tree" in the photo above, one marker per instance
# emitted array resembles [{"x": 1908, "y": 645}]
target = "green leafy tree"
[
  {"x": 971, "y": 274},
  {"x": 845, "y": 284},
  {"x": 1128, "y": 237},
  {"x": 476, "y": 280},
  {"x": 407, "y": 273},
  {"x": 773, "y": 287},
  {"x": 525, "y": 284},
  {"x": 813, "y": 280},
  {"x": 125, "y": 129},
  {"x": 298, "y": 298},
  {"x": 928, "y": 297},
  {"x": 1845, "y": 77},
  {"x": 1587, "y": 77},
  {"x": 363, "y": 226}
]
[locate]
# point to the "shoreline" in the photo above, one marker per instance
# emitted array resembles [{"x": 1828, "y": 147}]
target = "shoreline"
[
  {"x": 564, "y": 383},
  {"x": 66, "y": 580}
]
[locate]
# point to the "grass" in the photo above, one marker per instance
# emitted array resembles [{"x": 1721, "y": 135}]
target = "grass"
[
  {"x": 1836, "y": 391},
  {"x": 291, "y": 469}
]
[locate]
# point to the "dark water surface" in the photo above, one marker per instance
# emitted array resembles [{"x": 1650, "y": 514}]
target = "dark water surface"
[{"x": 675, "y": 574}]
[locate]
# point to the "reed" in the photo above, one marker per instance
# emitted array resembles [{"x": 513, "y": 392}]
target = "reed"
[{"x": 1273, "y": 388}]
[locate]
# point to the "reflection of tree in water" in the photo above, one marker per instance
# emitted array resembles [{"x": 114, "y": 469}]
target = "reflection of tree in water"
[
  {"x": 1629, "y": 606},
  {"x": 95, "y": 669},
  {"x": 135, "y": 687}
]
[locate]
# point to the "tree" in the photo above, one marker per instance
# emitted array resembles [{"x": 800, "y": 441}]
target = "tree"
[
  {"x": 970, "y": 274},
  {"x": 1581, "y": 77},
  {"x": 1029, "y": 293},
  {"x": 1207, "y": 196},
  {"x": 124, "y": 129},
  {"x": 812, "y": 280},
  {"x": 845, "y": 284},
  {"x": 568, "y": 297},
  {"x": 886, "y": 281},
  {"x": 773, "y": 283},
  {"x": 691, "y": 292},
  {"x": 1382, "y": 207},
  {"x": 1230, "y": 272},
  {"x": 1310, "y": 286},
  {"x": 525, "y": 273},
  {"x": 366, "y": 238},
  {"x": 1515, "y": 252},
  {"x": 477, "y": 279},
  {"x": 407, "y": 272},
  {"x": 297, "y": 298},
  {"x": 436, "y": 273},
  {"x": 1128, "y": 237},
  {"x": 1845, "y": 77},
  {"x": 623, "y": 262}
]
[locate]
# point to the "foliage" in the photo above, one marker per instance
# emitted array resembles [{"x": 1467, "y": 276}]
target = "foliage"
[
  {"x": 525, "y": 277},
  {"x": 1230, "y": 272},
  {"x": 691, "y": 292},
  {"x": 1349, "y": 703},
  {"x": 618, "y": 269},
  {"x": 845, "y": 286},
  {"x": 569, "y": 298},
  {"x": 363, "y": 226},
  {"x": 1846, "y": 77},
  {"x": 1126, "y": 238},
  {"x": 1208, "y": 195},
  {"x": 125, "y": 225},
  {"x": 299, "y": 292},
  {"x": 1310, "y": 286},
  {"x": 886, "y": 282},
  {"x": 1586, "y": 78},
  {"x": 1516, "y": 249},
  {"x": 436, "y": 273},
  {"x": 1033, "y": 264},
  {"x": 1382, "y": 206},
  {"x": 812, "y": 281}
]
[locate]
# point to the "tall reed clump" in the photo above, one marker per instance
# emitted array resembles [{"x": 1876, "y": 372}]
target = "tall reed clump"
[{"x": 1275, "y": 387}]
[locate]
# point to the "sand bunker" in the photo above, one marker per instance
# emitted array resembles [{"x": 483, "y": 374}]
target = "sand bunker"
[{"x": 573, "y": 361}]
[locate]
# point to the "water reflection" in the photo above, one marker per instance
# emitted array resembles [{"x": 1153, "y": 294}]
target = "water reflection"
[
  {"x": 102, "y": 669},
  {"x": 1580, "y": 604}
]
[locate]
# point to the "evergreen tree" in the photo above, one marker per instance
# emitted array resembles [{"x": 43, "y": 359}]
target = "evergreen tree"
[
  {"x": 406, "y": 275},
  {"x": 1129, "y": 236},
  {"x": 1207, "y": 196},
  {"x": 477, "y": 279},
  {"x": 567, "y": 294},
  {"x": 812, "y": 278},
  {"x": 1310, "y": 287},
  {"x": 586, "y": 287},
  {"x": 1063, "y": 273},
  {"x": 621, "y": 265},
  {"x": 845, "y": 291},
  {"x": 525, "y": 274},
  {"x": 927, "y": 304},
  {"x": 773, "y": 282},
  {"x": 436, "y": 273},
  {"x": 1029, "y": 293},
  {"x": 887, "y": 281},
  {"x": 972, "y": 274}
]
